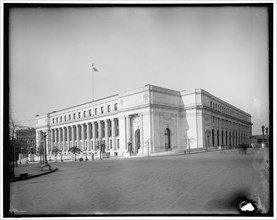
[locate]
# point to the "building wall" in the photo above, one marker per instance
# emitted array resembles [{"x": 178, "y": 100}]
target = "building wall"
[{"x": 150, "y": 119}]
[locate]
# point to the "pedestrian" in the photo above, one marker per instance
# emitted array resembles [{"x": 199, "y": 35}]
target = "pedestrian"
[{"x": 92, "y": 156}]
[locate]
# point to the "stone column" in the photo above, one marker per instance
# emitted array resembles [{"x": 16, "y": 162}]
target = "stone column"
[
  {"x": 60, "y": 139},
  {"x": 68, "y": 139},
  {"x": 94, "y": 135},
  {"x": 64, "y": 143},
  {"x": 128, "y": 118},
  {"x": 78, "y": 136},
  {"x": 56, "y": 137},
  {"x": 106, "y": 135},
  {"x": 141, "y": 133},
  {"x": 113, "y": 134},
  {"x": 83, "y": 137},
  {"x": 88, "y": 137},
  {"x": 99, "y": 130},
  {"x": 72, "y": 135},
  {"x": 53, "y": 138}
]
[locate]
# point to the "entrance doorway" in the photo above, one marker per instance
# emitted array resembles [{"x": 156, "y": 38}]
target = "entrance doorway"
[
  {"x": 137, "y": 140},
  {"x": 167, "y": 139}
]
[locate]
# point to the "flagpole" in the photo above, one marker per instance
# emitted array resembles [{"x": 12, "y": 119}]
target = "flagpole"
[
  {"x": 93, "y": 70},
  {"x": 92, "y": 85}
]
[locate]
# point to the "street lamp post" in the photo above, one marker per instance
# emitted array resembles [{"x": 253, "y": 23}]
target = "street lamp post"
[
  {"x": 189, "y": 144},
  {"x": 21, "y": 154},
  {"x": 61, "y": 155},
  {"x": 45, "y": 151},
  {"x": 266, "y": 131},
  {"x": 26, "y": 154},
  {"x": 263, "y": 127},
  {"x": 86, "y": 154}
]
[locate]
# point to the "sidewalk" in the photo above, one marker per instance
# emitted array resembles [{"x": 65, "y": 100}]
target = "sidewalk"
[{"x": 30, "y": 170}]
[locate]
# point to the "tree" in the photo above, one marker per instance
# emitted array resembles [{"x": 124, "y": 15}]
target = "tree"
[
  {"x": 56, "y": 151},
  {"x": 75, "y": 150},
  {"x": 41, "y": 152},
  {"x": 101, "y": 147}
]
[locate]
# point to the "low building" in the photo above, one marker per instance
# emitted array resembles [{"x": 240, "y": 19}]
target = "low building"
[
  {"x": 257, "y": 140},
  {"x": 145, "y": 121},
  {"x": 27, "y": 138}
]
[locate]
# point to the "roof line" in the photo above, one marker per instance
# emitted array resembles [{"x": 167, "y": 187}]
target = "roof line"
[{"x": 84, "y": 103}]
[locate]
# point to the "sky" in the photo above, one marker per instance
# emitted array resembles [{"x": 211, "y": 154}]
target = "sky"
[{"x": 221, "y": 50}]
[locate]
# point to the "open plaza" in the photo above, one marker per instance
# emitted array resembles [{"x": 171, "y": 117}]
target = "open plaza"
[{"x": 200, "y": 183}]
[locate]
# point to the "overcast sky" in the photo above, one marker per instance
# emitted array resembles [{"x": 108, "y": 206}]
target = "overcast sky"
[{"x": 221, "y": 50}]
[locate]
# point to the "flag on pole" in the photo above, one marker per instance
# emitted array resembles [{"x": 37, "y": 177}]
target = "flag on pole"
[{"x": 94, "y": 69}]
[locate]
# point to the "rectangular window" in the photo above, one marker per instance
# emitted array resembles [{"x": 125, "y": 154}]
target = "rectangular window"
[
  {"x": 95, "y": 111},
  {"x": 65, "y": 118},
  {"x": 79, "y": 114},
  {"x": 109, "y": 108},
  {"x": 90, "y": 112},
  {"x": 102, "y": 110},
  {"x": 61, "y": 119},
  {"x": 69, "y": 116},
  {"x": 57, "y": 120},
  {"x": 84, "y": 114},
  {"x": 117, "y": 128},
  {"x": 53, "y": 120},
  {"x": 115, "y": 106},
  {"x": 74, "y": 116}
]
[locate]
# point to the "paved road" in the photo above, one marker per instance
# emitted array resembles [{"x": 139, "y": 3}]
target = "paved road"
[{"x": 185, "y": 184}]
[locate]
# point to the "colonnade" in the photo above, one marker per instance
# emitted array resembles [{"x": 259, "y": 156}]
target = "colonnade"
[
  {"x": 86, "y": 135},
  {"x": 227, "y": 138}
]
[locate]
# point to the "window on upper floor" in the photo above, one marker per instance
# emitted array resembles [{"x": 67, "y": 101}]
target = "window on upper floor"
[
  {"x": 57, "y": 120},
  {"x": 89, "y": 112},
  {"x": 74, "y": 116},
  {"x": 102, "y": 109},
  {"x": 53, "y": 120},
  {"x": 61, "y": 118},
  {"x": 95, "y": 111},
  {"x": 108, "y": 108},
  {"x": 79, "y": 114},
  {"x": 65, "y": 118},
  {"x": 84, "y": 114},
  {"x": 115, "y": 106},
  {"x": 69, "y": 117}
]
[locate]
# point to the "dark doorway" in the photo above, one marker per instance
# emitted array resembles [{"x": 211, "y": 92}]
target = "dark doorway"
[
  {"x": 167, "y": 139},
  {"x": 213, "y": 137},
  {"x": 137, "y": 140}
]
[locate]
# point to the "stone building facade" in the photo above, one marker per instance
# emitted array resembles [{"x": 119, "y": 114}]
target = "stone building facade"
[
  {"x": 27, "y": 138},
  {"x": 145, "y": 121}
]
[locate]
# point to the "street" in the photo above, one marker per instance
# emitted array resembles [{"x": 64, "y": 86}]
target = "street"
[{"x": 203, "y": 183}]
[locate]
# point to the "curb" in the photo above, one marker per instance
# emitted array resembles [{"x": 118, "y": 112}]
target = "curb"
[{"x": 32, "y": 176}]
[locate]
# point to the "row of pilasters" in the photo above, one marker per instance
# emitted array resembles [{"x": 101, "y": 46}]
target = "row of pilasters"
[
  {"x": 226, "y": 138},
  {"x": 85, "y": 135}
]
